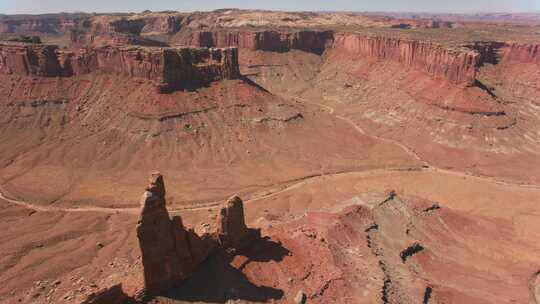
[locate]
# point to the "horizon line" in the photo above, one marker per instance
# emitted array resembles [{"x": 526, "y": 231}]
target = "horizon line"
[{"x": 277, "y": 10}]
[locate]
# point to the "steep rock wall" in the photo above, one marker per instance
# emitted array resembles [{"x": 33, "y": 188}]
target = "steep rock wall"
[
  {"x": 309, "y": 41},
  {"x": 502, "y": 52},
  {"x": 44, "y": 25},
  {"x": 455, "y": 66},
  {"x": 169, "y": 68},
  {"x": 29, "y": 59},
  {"x": 523, "y": 53}
]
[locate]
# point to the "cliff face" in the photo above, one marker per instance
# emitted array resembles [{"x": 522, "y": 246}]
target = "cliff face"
[
  {"x": 309, "y": 41},
  {"x": 455, "y": 66},
  {"x": 500, "y": 52},
  {"x": 49, "y": 25},
  {"x": 169, "y": 68},
  {"x": 524, "y": 53},
  {"x": 29, "y": 59}
]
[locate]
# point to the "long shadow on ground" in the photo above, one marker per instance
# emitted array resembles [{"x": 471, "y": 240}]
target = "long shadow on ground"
[{"x": 216, "y": 281}]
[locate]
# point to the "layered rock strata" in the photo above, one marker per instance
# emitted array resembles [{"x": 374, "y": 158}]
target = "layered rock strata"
[
  {"x": 497, "y": 52},
  {"x": 29, "y": 59},
  {"x": 455, "y": 66},
  {"x": 274, "y": 41},
  {"x": 169, "y": 68}
]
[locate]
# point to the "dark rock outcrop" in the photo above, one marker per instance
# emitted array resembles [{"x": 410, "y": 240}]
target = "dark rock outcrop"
[
  {"x": 232, "y": 229},
  {"x": 26, "y": 39}
]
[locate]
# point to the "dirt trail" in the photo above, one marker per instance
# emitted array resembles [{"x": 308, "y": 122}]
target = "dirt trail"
[
  {"x": 263, "y": 194},
  {"x": 266, "y": 193},
  {"x": 289, "y": 185},
  {"x": 427, "y": 166}
]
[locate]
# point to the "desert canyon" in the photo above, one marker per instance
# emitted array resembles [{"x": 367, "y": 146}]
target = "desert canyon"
[{"x": 249, "y": 156}]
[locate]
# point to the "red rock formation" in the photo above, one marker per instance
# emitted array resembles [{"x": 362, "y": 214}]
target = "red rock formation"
[
  {"x": 232, "y": 229},
  {"x": 455, "y": 66},
  {"x": 309, "y": 41},
  {"x": 42, "y": 25},
  {"x": 500, "y": 52},
  {"x": 112, "y": 38},
  {"x": 170, "y": 253},
  {"x": 110, "y": 30},
  {"x": 169, "y": 68},
  {"x": 157, "y": 239},
  {"x": 524, "y": 53},
  {"x": 131, "y": 30},
  {"x": 29, "y": 59}
]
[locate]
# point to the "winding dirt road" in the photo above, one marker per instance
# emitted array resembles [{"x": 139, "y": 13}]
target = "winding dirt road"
[
  {"x": 287, "y": 185},
  {"x": 411, "y": 152}
]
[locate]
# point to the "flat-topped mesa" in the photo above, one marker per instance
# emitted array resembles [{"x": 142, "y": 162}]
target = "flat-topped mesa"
[
  {"x": 168, "y": 68},
  {"x": 455, "y": 66},
  {"x": 273, "y": 41},
  {"x": 29, "y": 59}
]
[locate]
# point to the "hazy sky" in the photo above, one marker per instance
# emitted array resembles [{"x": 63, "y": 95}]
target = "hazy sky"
[{"x": 457, "y": 6}]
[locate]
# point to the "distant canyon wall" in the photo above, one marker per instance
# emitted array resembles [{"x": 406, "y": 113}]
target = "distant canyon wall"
[
  {"x": 38, "y": 25},
  {"x": 170, "y": 68},
  {"x": 273, "y": 41},
  {"x": 500, "y": 52},
  {"x": 455, "y": 66}
]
